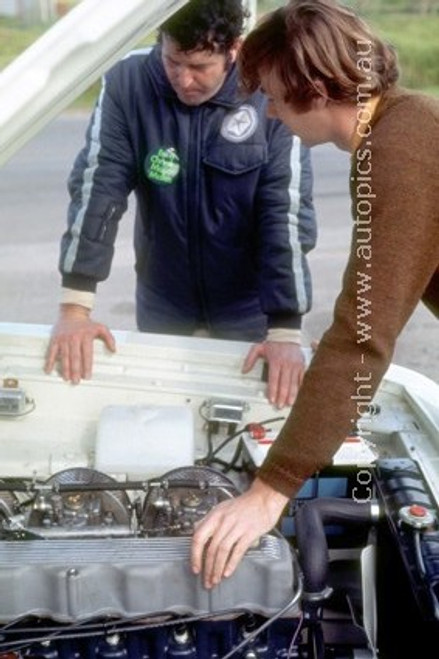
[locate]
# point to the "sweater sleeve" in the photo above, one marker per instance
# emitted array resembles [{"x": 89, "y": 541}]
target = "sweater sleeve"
[{"x": 394, "y": 255}]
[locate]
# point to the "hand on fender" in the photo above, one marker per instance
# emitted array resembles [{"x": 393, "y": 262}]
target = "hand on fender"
[
  {"x": 286, "y": 368},
  {"x": 71, "y": 343}
]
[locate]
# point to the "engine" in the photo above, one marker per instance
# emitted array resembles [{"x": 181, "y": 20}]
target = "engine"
[
  {"x": 88, "y": 556},
  {"x": 95, "y": 562},
  {"x": 100, "y": 567}
]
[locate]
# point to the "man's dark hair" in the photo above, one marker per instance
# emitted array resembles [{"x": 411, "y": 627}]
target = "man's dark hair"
[{"x": 206, "y": 25}]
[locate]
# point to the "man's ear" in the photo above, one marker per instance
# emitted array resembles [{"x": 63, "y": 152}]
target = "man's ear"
[{"x": 321, "y": 98}]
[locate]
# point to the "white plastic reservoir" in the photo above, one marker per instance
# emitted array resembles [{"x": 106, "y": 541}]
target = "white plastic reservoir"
[{"x": 144, "y": 441}]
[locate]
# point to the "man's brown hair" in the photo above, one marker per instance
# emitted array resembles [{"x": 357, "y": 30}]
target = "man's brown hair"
[{"x": 309, "y": 42}]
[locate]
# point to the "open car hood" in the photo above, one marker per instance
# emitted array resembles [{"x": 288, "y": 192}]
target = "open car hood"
[{"x": 67, "y": 59}]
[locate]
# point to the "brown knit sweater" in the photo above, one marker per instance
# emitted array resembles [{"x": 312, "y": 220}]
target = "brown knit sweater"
[{"x": 393, "y": 264}]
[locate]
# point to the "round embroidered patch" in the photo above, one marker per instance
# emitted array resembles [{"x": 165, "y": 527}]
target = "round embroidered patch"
[
  {"x": 240, "y": 124},
  {"x": 162, "y": 166}
]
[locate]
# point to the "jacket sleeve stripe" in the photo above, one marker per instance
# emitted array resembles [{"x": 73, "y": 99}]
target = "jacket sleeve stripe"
[
  {"x": 293, "y": 228},
  {"x": 87, "y": 184}
]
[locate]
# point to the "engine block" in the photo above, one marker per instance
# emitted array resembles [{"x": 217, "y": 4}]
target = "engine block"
[{"x": 82, "y": 546}]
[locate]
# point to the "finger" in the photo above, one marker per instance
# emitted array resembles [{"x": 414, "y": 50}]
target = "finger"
[
  {"x": 217, "y": 556},
  {"x": 274, "y": 374},
  {"x": 235, "y": 556},
  {"x": 75, "y": 361},
  {"x": 286, "y": 385},
  {"x": 255, "y": 353},
  {"x": 197, "y": 549},
  {"x": 64, "y": 361},
  {"x": 200, "y": 539},
  {"x": 297, "y": 374},
  {"x": 51, "y": 357},
  {"x": 86, "y": 364},
  {"x": 296, "y": 380}
]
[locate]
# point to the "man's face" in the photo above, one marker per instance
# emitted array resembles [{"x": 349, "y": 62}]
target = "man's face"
[
  {"x": 196, "y": 75},
  {"x": 311, "y": 126}
]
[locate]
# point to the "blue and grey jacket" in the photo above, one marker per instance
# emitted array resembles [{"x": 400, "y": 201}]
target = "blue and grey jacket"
[{"x": 224, "y": 215}]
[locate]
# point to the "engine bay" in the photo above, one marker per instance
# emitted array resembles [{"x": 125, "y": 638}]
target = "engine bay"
[{"x": 101, "y": 486}]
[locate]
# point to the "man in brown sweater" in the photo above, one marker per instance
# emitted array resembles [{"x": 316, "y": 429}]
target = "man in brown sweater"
[{"x": 331, "y": 80}]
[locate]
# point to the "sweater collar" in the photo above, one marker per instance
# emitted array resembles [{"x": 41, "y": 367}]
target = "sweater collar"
[{"x": 363, "y": 127}]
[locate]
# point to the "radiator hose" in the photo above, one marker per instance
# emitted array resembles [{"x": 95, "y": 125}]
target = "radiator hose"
[{"x": 310, "y": 519}]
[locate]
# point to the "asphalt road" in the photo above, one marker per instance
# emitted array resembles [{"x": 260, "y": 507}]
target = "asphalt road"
[{"x": 33, "y": 200}]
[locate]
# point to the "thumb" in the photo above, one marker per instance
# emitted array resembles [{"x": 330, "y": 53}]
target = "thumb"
[
  {"x": 107, "y": 337},
  {"x": 256, "y": 352}
]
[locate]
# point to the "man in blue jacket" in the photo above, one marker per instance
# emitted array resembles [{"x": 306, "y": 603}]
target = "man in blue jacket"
[{"x": 224, "y": 215}]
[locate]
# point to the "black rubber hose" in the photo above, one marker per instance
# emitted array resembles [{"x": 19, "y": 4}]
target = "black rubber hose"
[{"x": 310, "y": 520}]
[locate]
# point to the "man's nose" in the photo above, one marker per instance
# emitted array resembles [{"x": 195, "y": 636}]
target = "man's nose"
[{"x": 184, "y": 77}]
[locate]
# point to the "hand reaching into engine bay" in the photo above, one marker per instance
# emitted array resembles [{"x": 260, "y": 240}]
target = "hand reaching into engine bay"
[
  {"x": 286, "y": 368},
  {"x": 230, "y": 528},
  {"x": 71, "y": 343}
]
